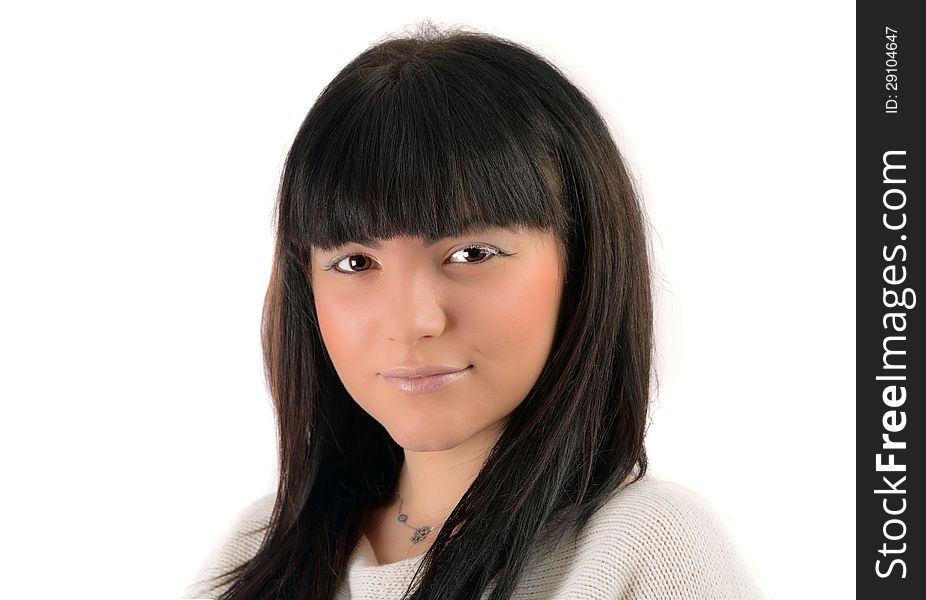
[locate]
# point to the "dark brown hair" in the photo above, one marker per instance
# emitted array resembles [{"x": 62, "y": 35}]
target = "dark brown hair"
[{"x": 428, "y": 135}]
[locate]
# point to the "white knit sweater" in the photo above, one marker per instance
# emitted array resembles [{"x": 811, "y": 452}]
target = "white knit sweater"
[{"x": 654, "y": 539}]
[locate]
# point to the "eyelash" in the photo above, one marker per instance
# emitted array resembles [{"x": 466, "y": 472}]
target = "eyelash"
[{"x": 492, "y": 250}]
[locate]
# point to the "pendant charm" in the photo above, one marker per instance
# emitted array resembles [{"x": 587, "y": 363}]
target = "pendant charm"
[{"x": 420, "y": 534}]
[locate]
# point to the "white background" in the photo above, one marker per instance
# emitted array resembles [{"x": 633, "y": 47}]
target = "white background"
[{"x": 141, "y": 149}]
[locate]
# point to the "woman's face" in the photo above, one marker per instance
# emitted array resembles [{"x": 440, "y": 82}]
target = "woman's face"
[{"x": 455, "y": 303}]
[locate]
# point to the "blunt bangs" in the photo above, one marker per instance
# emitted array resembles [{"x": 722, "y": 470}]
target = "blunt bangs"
[{"x": 424, "y": 149}]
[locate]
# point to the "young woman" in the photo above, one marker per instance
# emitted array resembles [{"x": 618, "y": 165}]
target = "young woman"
[{"x": 457, "y": 339}]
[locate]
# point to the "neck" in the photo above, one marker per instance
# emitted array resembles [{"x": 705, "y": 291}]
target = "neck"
[{"x": 431, "y": 484}]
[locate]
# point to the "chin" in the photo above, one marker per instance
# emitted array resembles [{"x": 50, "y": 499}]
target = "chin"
[{"x": 425, "y": 439}]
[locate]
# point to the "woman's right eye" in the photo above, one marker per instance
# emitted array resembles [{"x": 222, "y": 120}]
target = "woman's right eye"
[{"x": 351, "y": 261}]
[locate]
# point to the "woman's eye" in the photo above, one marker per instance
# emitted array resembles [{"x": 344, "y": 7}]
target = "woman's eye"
[
  {"x": 352, "y": 260},
  {"x": 359, "y": 263},
  {"x": 475, "y": 251}
]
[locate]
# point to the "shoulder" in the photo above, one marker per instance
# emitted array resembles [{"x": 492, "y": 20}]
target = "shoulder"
[
  {"x": 238, "y": 543},
  {"x": 675, "y": 542},
  {"x": 657, "y": 505},
  {"x": 659, "y": 539}
]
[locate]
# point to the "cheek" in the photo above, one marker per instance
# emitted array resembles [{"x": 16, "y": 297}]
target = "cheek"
[
  {"x": 331, "y": 329},
  {"x": 515, "y": 331},
  {"x": 343, "y": 329}
]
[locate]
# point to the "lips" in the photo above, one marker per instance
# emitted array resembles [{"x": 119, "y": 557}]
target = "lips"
[
  {"x": 427, "y": 383},
  {"x": 423, "y": 371}
]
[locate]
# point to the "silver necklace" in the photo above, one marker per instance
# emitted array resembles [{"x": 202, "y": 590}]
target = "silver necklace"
[{"x": 420, "y": 532}]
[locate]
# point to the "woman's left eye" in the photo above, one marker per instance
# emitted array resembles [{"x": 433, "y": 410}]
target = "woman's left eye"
[{"x": 491, "y": 250}]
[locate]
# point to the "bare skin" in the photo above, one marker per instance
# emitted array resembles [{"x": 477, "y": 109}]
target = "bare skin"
[
  {"x": 410, "y": 304},
  {"x": 390, "y": 539}
]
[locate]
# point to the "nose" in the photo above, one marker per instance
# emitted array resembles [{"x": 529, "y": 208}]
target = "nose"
[{"x": 414, "y": 306}]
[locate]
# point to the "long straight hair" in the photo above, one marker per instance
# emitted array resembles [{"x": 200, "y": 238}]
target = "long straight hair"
[{"x": 428, "y": 135}]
